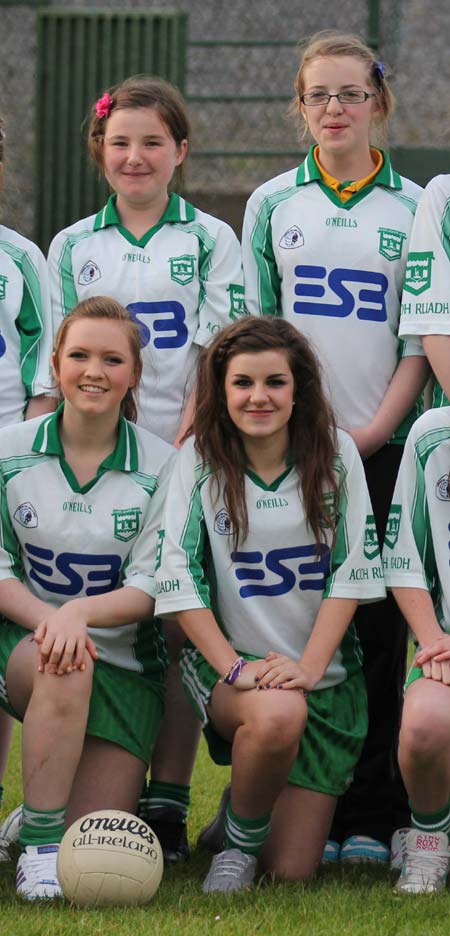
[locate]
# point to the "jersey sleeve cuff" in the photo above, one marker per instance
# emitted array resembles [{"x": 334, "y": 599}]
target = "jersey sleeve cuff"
[
  {"x": 167, "y": 606},
  {"x": 145, "y": 583}
]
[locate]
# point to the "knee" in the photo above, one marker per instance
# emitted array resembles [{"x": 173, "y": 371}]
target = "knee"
[
  {"x": 285, "y": 870},
  {"x": 423, "y": 733},
  {"x": 64, "y": 696},
  {"x": 278, "y": 727}
]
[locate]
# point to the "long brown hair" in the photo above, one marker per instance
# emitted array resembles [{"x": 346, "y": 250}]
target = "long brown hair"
[
  {"x": 103, "y": 307},
  {"x": 312, "y": 430}
]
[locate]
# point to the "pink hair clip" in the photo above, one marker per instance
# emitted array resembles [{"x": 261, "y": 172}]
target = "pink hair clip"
[{"x": 103, "y": 105}]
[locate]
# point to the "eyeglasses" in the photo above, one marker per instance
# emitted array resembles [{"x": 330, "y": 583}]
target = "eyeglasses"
[{"x": 317, "y": 98}]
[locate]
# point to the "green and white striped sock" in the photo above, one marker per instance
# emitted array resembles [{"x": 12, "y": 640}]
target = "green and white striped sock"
[
  {"x": 248, "y": 835},
  {"x": 162, "y": 795},
  {"x": 431, "y": 822},
  {"x": 41, "y": 826}
]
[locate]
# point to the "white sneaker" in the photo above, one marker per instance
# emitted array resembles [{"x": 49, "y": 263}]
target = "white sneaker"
[
  {"x": 231, "y": 870},
  {"x": 425, "y": 866},
  {"x": 398, "y": 849},
  {"x": 212, "y": 836},
  {"x": 9, "y": 832},
  {"x": 36, "y": 873}
]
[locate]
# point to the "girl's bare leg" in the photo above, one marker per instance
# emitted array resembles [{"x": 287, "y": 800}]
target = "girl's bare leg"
[
  {"x": 55, "y": 711},
  {"x": 301, "y": 821}
]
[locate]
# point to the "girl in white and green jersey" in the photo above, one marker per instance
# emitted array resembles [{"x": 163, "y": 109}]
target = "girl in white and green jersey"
[
  {"x": 25, "y": 326},
  {"x": 82, "y": 661},
  {"x": 268, "y": 543},
  {"x": 178, "y": 272},
  {"x": 416, "y": 562},
  {"x": 426, "y": 301},
  {"x": 175, "y": 268},
  {"x": 25, "y": 349},
  {"x": 325, "y": 246}
]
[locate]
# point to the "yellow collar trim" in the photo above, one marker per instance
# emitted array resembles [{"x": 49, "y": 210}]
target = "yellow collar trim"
[{"x": 345, "y": 190}]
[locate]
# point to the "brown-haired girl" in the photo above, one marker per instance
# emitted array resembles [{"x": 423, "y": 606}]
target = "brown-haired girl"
[
  {"x": 178, "y": 272},
  {"x": 176, "y": 269},
  {"x": 82, "y": 662},
  {"x": 325, "y": 246},
  {"x": 263, "y": 563}
]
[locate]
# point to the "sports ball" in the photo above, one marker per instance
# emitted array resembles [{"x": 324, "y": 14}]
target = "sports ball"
[{"x": 109, "y": 858}]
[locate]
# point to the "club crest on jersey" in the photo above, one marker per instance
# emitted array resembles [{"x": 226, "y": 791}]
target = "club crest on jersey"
[
  {"x": 393, "y": 525},
  {"x": 3, "y": 282},
  {"x": 26, "y": 515},
  {"x": 371, "y": 547},
  {"x": 222, "y": 522},
  {"x": 126, "y": 523},
  {"x": 442, "y": 488},
  {"x": 418, "y": 272},
  {"x": 182, "y": 269},
  {"x": 391, "y": 243},
  {"x": 237, "y": 307},
  {"x": 89, "y": 273},
  {"x": 292, "y": 238}
]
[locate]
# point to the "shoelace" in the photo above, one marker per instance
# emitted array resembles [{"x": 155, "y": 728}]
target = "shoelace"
[
  {"x": 419, "y": 864},
  {"x": 231, "y": 866}
]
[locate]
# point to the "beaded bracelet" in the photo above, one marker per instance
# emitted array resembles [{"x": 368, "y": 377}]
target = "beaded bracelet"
[{"x": 234, "y": 672}]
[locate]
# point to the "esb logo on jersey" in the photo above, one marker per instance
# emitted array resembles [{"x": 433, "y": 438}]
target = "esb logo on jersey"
[
  {"x": 281, "y": 571},
  {"x": 161, "y": 323},
  {"x": 71, "y": 573},
  {"x": 362, "y": 291}
]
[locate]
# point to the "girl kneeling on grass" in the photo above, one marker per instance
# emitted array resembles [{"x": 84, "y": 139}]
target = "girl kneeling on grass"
[
  {"x": 78, "y": 531},
  {"x": 268, "y": 544},
  {"x": 416, "y": 559}
]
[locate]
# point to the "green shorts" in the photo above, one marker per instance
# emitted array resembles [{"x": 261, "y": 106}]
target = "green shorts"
[
  {"x": 415, "y": 672},
  {"x": 333, "y": 738},
  {"x": 125, "y": 708}
]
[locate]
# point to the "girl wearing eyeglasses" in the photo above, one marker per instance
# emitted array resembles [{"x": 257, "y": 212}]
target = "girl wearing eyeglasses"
[{"x": 325, "y": 246}]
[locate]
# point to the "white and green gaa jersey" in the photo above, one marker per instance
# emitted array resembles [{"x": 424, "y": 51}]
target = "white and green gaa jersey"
[
  {"x": 335, "y": 270},
  {"x": 426, "y": 290},
  {"x": 181, "y": 282},
  {"x": 267, "y": 593},
  {"x": 416, "y": 551},
  {"x": 65, "y": 541},
  {"x": 26, "y": 340},
  {"x": 426, "y": 299}
]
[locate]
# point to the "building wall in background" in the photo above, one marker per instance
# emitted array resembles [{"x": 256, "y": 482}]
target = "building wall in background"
[{"x": 413, "y": 41}]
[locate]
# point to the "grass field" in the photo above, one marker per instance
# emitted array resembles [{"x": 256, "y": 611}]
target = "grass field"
[{"x": 341, "y": 902}]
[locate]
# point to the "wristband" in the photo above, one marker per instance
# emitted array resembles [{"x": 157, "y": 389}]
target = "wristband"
[{"x": 234, "y": 672}]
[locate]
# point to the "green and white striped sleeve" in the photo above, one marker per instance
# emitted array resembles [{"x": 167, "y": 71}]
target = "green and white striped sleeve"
[
  {"x": 181, "y": 582},
  {"x": 261, "y": 279},
  {"x": 355, "y": 567},
  {"x": 63, "y": 291},
  {"x": 34, "y": 324},
  {"x": 11, "y": 565},
  {"x": 221, "y": 291},
  {"x": 408, "y": 552}
]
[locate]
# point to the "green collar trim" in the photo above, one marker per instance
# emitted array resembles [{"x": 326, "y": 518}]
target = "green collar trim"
[
  {"x": 178, "y": 211},
  {"x": 124, "y": 457},
  {"x": 274, "y": 485},
  {"x": 308, "y": 171}
]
